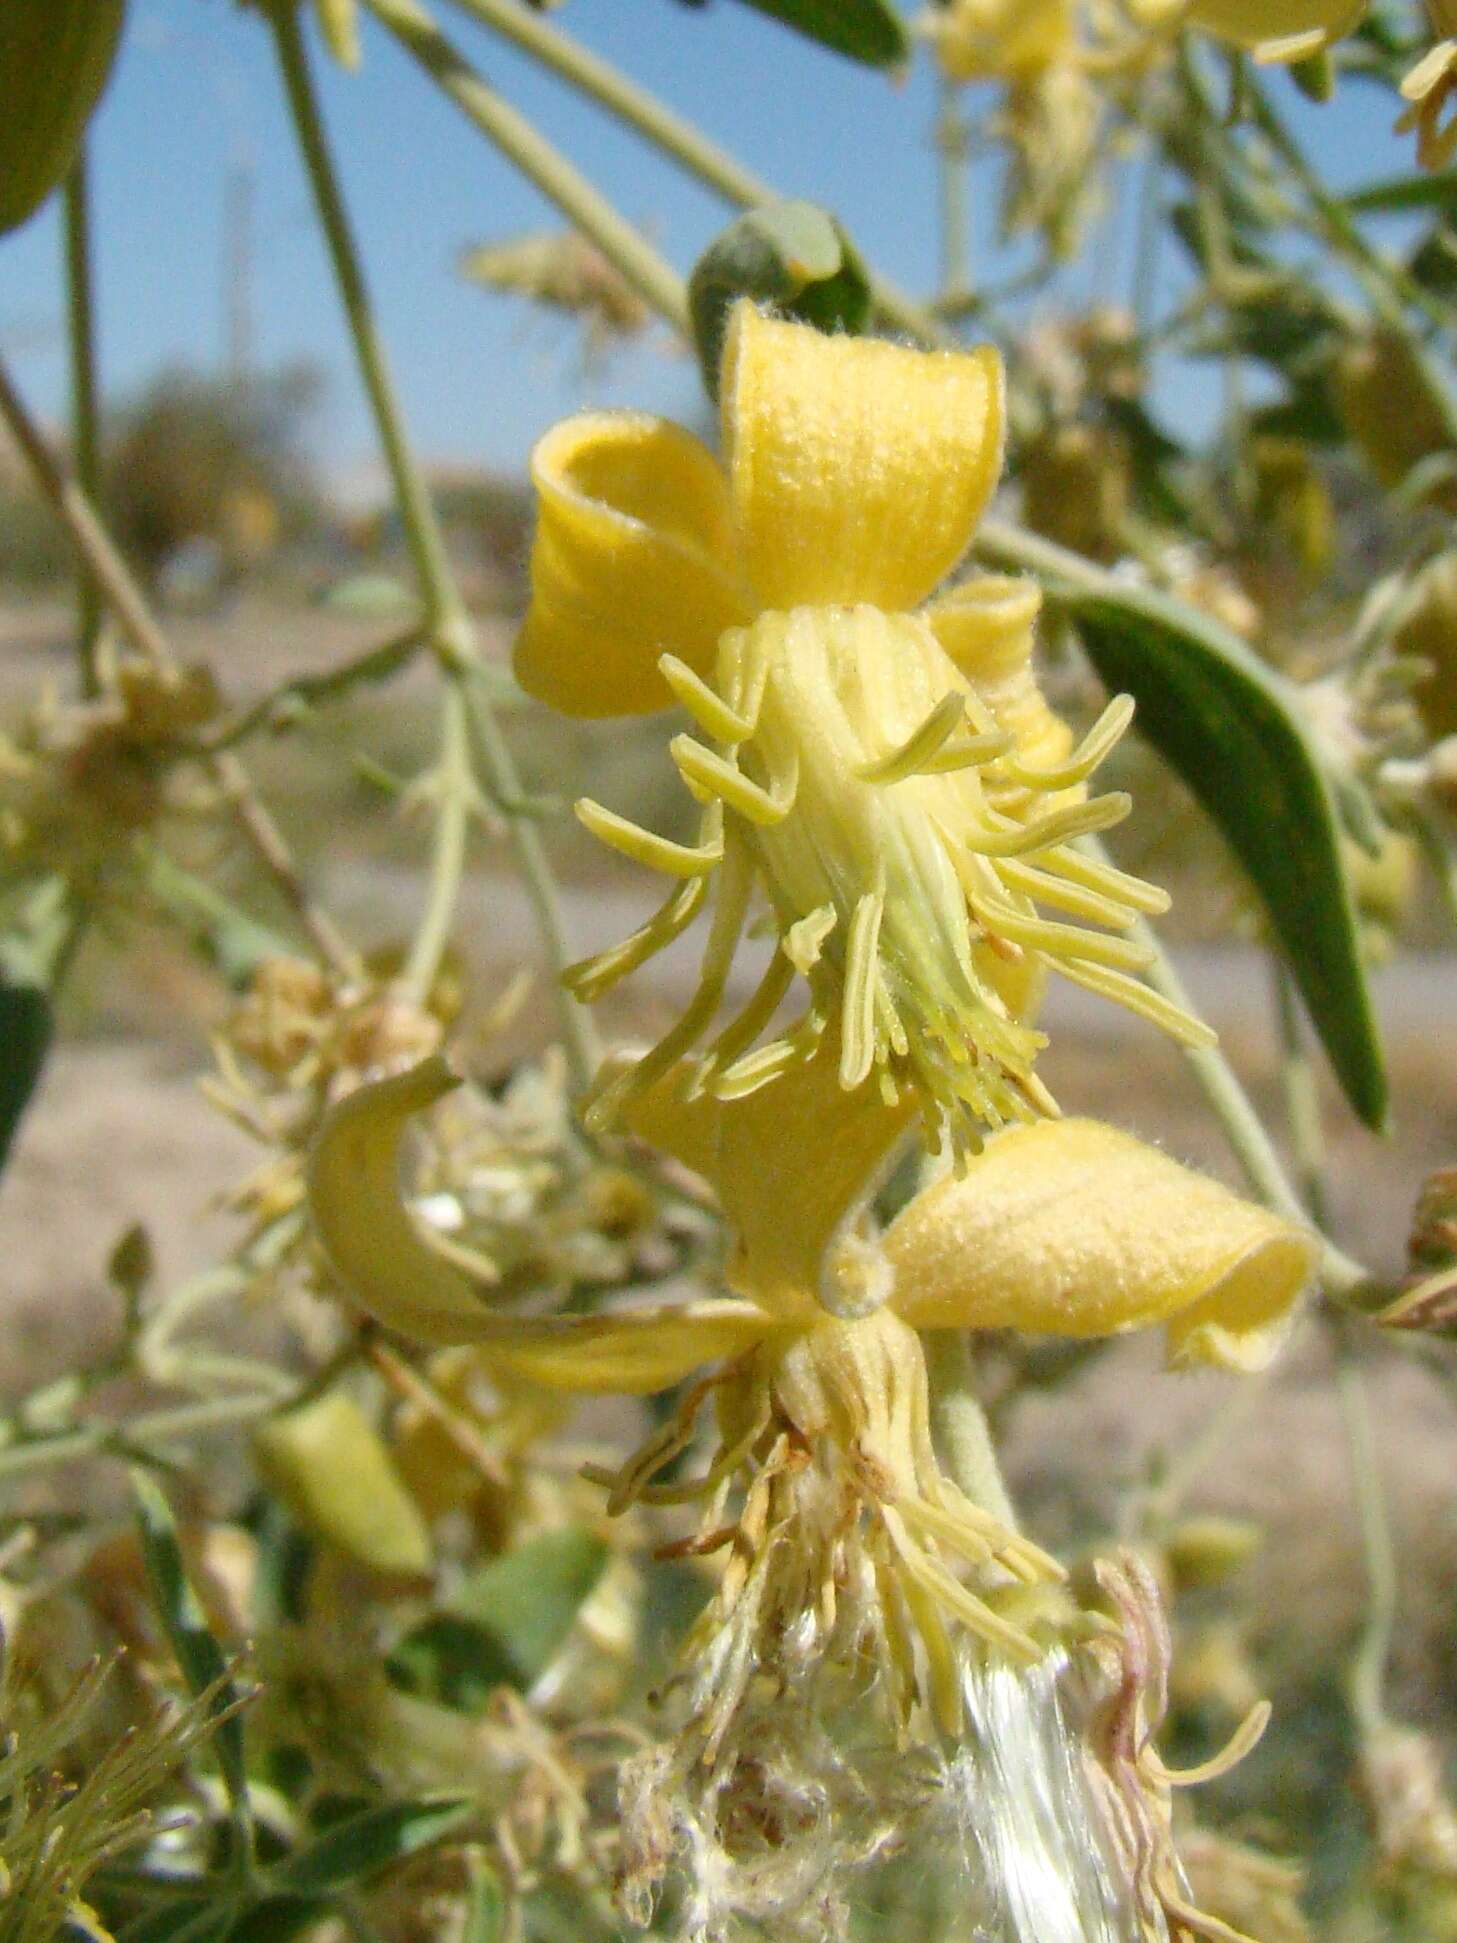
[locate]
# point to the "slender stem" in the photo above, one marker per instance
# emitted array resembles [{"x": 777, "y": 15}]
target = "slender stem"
[
  {"x": 139, "y": 1437},
  {"x": 1373, "y": 1654},
  {"x": 88, "y": 536},
  {"x": 449, "y": 623},
  {"x": 96, "y": 549},
  {"x": 674, "y": 136},
  {"x": 953, "y": 156},
  {"x": 579, "y": 1035},
  {"x": 959, "y": 1425},
  {"x": 627, "y": 249},
  {"x": 85, "y": 439},
  {"x": 422, "y": 529},
  {"x": 1302, "y": 1101},
  {"x": 455, "y": 784}
]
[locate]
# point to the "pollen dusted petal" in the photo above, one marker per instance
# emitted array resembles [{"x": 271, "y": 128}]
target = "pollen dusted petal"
[
  {"x": 858, "y": 469},
  {"x": 1072, "y": 1228},
  {"x": 633, "y": 559}
]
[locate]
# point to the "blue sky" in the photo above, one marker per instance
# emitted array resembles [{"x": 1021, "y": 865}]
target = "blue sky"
[{"x": 195, "y": 94}]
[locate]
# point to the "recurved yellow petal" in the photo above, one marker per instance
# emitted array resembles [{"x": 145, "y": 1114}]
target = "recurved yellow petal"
[
  {"x": 792, "y": 1165},
  {"x": 397, "y": 1277},
  {"x": 1072, "y": 1228},
  {"x": 986, "y": 625},
  {"x": 633, "y": 558},
  {"x": 858, "y": 469},
  {"x": 1277, "y": 29}
]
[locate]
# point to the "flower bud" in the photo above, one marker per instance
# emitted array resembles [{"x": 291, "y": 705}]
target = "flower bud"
[
  {"x": 1429, "y": 633},
  {"x": 328, "y": 1464}
]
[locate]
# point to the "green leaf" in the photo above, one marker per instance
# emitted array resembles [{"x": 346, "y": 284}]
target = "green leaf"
[
  {"x": 26, "y": 1029},
  {"x": 236, "y": 943},
  {"x": 1404, "y": 192},
  {"x": 505, "y": 1624},
  {"x": 202, "y": 1661},
  {"x": 368, "y": 1842},
  {"x": 485, "y": 1909},
  {"x": 794, "y": 256},
  {"x": 867, "y": 30},
  {"x": 184, "y": 1922},
  {"x": 1232, "y": 729},
  {"x": 278, "y": 1919}
]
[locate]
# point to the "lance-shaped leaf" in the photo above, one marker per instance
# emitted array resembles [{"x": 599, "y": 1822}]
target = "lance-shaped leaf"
[
  {"x": 867, "y": 30},
  {"x": 25, "y": 1037},
  {"x": 1234, "y": 732},
  {"x": 365, "y": 1843}
]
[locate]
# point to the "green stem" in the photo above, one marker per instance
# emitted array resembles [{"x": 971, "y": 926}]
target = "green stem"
[
  {"x": 959, "y": 1427},
  {"x": 455, "y": 783},
  {"x": 449, "y": 624},
  {"x": 1302, "y": 1101},
  {"x": 627, "y": 249},
  {"x": 139, "y": 1437},
  {"x": 423, "y": 536},
  {"x": 674, "y": 136},
  {"x": 1373, "y": 1654},
  {"x": 84, "y": 419}
]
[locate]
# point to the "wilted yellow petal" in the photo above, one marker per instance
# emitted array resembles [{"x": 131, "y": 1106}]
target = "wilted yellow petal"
[
  {"x": 791, "y": 1164},
  {"x": 1072, "y": 1228},
  {"x": 633, "y": 559},
  {"x": 1283, "y": 29},
  {"x": 402, "y": 1281},
  {"x": 859, "y": 469},
  {"x": 331, "y": 1468}
]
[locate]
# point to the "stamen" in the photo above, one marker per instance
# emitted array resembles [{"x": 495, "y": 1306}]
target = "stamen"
[
  {"x": 947, "y": 1590},
  {"x": 974, "y": 753},
  {"x": 803, "y": 942},
  {"x": 601, "y": 1108},
  {"x": 1142, "y": 999},
  {"x": 745, "y": 1029},
  {"x": 715, "y": 775},
  {"x": 1011, "y": 839},
  {"x": 589, "y": 978},
  {"x": 645, "y": 846},
  {"x": 857, "y": 1047},
  {"x": 1099, "y": 742},
  {"x": 1047, "y": 889},
  {"x": 707, "y": 707},
  {"x": 1058, "y": 940},
  {"x": 756, "y": 1069},
  {"x": 920, "y": 745},
  {"x": 1150, "y": 899},
  {"x": 1240, "y": 1743}
]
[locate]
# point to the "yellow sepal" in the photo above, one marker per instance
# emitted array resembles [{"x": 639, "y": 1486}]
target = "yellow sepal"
[
  {"x": 397, "y": 1277},
  {"x": 633, "y": 559},
  {"x": 1072, "y": 1228},
  {"x": 858, "y": 469},
  {"x": 792, "y": 1165}
]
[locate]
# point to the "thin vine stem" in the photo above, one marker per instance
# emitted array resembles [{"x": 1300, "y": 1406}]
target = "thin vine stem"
[
  {"x": 85, "y": 425},
  {"x": 959, "y": 1425},
  {"x": 455, "y": 788},
  {"x": 675, "y": 137},
  {"x": 1378, "y": 1549},
  {"x": 448, "y": 623},
  {"x": 527, "y": 149}
]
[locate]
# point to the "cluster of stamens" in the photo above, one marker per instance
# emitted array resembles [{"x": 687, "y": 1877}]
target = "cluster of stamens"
[{"x": 857, "y": 781}]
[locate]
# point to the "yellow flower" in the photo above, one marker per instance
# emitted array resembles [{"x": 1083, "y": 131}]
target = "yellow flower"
[
  {"x": 1430, "y": 88},
  {"x": 887, "y": 775},
  {"x": 845, "y": 1535},
  {"x": 1277, "y": 30},
  {"x": 977, "y": 40}
]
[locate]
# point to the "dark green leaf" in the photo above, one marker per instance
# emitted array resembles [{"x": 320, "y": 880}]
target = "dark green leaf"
[
  {"x": 278, "y": 1920},
  {"x": 1232, "y": 730},
  {"x": 26, "y": 1027},
  {"x": 455, "y": 1662},
  {"x": 1223, "y": 722},
  {"x": 367, "y": 1842},
  {"x": 791, "y": 255},
  {"x": 203, "y": 1664},
  {"x": 867, "y": 30},
  {"x": 1405, "y": 192}
]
